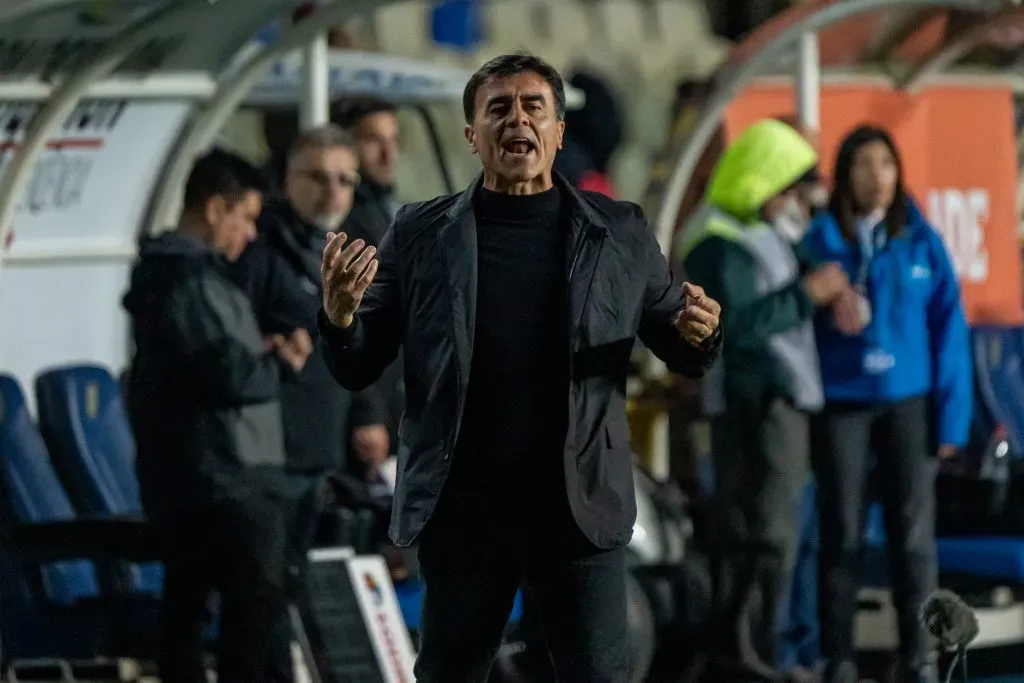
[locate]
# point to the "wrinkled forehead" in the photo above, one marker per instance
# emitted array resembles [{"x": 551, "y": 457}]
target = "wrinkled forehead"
[
  {"x": 331, "y": 159},
  {"x": 527, "y": 86}
]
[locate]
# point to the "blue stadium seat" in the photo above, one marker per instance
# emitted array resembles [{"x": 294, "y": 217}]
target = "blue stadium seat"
[
  {"x": 82, "y": 418},
  {"x": 33, "y": 493},
  {"x": 410, "y": 602},
  {"x": 999, "y": 376},
  {"x": 989, "y": 558},
  {"x": 457, "y": 24}
]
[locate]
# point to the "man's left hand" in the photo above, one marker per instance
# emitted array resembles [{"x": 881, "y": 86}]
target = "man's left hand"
[
  {"x": 699, "y": 318},
  {"x": 371, "y": 444}
]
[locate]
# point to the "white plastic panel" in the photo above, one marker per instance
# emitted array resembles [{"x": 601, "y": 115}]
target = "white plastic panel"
[{"x": 58, "y": 315}]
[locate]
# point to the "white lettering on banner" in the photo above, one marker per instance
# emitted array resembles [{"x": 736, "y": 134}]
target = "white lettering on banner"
[{"x": 961, "y": 216}]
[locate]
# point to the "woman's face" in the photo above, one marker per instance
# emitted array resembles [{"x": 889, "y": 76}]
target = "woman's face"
[{"x": 873, "y": 177}]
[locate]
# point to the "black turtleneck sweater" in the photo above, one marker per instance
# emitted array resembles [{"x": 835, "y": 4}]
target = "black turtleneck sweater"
[{"x": 516, "y": 414}]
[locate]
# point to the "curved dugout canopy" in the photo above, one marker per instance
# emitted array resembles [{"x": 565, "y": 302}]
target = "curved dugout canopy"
[{"x": 215, "y": 55}]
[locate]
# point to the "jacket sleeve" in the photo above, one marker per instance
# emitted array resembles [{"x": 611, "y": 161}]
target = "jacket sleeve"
[
  {"x": 727, "y": 272},
  {"x": 278, "y": 299},
  {"x": 357, "y": 356},
  {"x": 663, "y": 299},
  {"x": 368, "y": 408},
  {"x": 951, "y": 354},
  {"x": 222, "y": 370}
]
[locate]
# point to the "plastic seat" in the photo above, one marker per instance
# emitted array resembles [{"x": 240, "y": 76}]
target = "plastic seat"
[
  {"x": 999, "y": 376},
  {"x": 32, "y": 492},
  {"x": 410, "y": 602},
  {"x": 83, "y": 420},
  {"x": 987, "y": 557}
]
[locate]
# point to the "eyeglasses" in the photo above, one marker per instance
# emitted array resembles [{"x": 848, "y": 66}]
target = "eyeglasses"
[{"x": 325, "y": 179}]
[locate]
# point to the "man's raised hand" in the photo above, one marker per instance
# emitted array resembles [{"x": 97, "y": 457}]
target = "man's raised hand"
[
  {"x": 347, "y": 270},
  {"x": 699, "y": 318}
]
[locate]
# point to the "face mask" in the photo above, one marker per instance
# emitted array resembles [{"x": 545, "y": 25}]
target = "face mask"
[
  {"x": 328, "y": 222},
  {"x": 790, "y": 222}
]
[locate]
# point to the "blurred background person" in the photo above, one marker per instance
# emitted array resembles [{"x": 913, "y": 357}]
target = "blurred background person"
[
  {"x": 896, "y": 369},
  {"x": 204, "y": 400},
  {"x": 373, "y": 125},
  {"x": 326, "y": 427},
  {"x": 593, "y": 133},
  {"x": 759, "y": 396}
]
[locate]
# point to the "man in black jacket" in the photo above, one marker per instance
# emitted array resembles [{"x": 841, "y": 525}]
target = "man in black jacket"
[
  {"x": 203, "y": 401},
  {"x": 373, "y": 124},
  {"x": 281, "y": 274},
  {"x": 516, "y": 304}
]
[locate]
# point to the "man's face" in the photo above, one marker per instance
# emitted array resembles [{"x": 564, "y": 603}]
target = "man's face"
[
  {"x": 233, "y": 223},
  {"x": 516, "y": 132},
  {"x": 320, "y": 184},
  {"x": 377, "y": 147}
]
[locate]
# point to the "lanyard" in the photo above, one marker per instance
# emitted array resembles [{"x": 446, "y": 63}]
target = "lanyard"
[{"x": 871, "y": 239}]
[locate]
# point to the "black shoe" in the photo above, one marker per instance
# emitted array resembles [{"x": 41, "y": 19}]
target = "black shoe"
[{"x": 841, "y": 672}]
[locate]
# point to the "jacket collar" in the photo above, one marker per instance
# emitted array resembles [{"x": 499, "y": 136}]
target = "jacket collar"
[{"x": 580, "y": 209}]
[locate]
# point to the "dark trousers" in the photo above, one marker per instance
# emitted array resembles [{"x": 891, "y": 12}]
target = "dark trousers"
[
  {"x": 800, "y": 646},
  {"x": 761, "y": 455},
  {"x": 474, "y": 555},
  {"x": 302, "y": 508},
  {"x": 235, "y": 548},
  {"x": 844, "y": 437}
]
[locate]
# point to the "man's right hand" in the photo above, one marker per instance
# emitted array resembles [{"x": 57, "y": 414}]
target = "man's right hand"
[
  {"x": 296, "y": 349},
  {"x": 826, "y": 283},
  {"x": 347, "y": 272}
]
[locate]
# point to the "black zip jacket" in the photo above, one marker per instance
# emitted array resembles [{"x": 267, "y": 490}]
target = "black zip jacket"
[
  {"x": 202, "y": 392},
  {"x": 280, "y": 273},
  {"x": 424, "y": 300}
]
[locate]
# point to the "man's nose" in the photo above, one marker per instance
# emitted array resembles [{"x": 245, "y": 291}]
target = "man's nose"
[{"x": 517, "y": 116}]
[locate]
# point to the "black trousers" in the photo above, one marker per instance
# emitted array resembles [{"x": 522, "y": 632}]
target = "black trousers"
[
  {"x": 476, "y": 552},
  {"x": 761, "y": 455},
  {"x": 302, "y": 507},
  {"x": 237, "y": 549},
  {"x": 845, "y": 435}
]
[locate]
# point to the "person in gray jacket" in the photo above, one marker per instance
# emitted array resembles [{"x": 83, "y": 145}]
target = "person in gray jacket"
[{"x": 203, "y": 401}]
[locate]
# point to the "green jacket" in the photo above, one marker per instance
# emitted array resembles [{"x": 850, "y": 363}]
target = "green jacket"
[{"x": 767, "y": 158}]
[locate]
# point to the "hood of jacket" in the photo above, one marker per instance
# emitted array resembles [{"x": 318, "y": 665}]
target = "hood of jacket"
[
  {"x": 768, "y": 157},
  {"x": 161, "y": 259}
]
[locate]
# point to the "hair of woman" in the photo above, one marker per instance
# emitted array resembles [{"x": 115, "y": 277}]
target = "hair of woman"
[{"x": 842, "y": 204}]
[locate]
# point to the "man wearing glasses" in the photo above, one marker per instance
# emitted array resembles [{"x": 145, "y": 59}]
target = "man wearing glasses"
[{"x": 280, "y": 272}]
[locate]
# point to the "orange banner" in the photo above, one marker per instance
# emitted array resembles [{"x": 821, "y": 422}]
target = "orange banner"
[{"x": 960, "y": 160}]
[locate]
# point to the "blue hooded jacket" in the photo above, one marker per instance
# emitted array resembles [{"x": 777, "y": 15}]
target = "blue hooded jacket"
[{"x": 917, "y": 339}]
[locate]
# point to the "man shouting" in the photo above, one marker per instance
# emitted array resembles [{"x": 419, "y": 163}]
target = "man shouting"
[{"x": 516, "y": 304}]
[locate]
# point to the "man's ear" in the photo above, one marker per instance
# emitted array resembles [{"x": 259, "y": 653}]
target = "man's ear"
[
  {"x": 561, "y": 133},
  {"x": 471, "y": 139},
  {"x": 216, "y": 207}
]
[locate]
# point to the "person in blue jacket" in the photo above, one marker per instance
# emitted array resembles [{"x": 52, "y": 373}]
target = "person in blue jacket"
[{"x": 896, "y": 370}]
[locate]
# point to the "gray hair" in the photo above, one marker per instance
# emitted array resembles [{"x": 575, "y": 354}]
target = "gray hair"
[{"x": 321, "y": 137}]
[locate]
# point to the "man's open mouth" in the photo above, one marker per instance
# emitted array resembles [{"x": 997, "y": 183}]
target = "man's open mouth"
[{"x": 518, "y": 146}]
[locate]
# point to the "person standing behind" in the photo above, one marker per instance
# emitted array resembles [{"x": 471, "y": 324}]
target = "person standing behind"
[
  {"x": 326, "y": 427},
  {"x": 373, "y": 125},
  {"x": 897, "y": 373},
  {"x": 203, "y": 399},
  {"x": 740, "y": 244},
  {"x": 516, "y": 304},
  {"x": 281, "y": 273}
]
